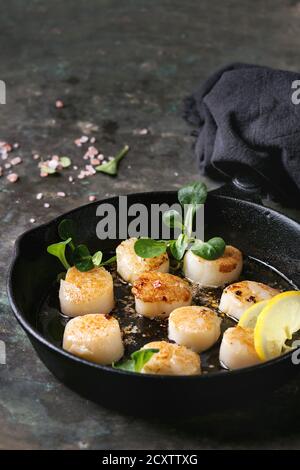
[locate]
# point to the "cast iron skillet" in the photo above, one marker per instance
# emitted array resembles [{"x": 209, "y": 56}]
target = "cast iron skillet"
[{"x": 230, "y": 212}]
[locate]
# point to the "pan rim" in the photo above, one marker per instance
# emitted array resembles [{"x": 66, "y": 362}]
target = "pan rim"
[{"x": 31, "y": 331}]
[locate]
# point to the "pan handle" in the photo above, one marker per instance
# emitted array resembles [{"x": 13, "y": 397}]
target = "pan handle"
[
  {"x": 251, "y": 186},
  {"x": 247, "y": 187}
]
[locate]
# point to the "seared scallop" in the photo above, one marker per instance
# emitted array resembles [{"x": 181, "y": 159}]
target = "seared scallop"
[
  {"x": 213, "y": 273},
  {"x": 130, "y": 265},
  {"x": 197, "y": 328},
  {"x": 237, "y": 297},
  {"x": 95, "y": 337},
  {"x": 171, "y": 360},
  {"x": 157, "y": 294},
  {"x": 86, "y": 292},
  {"x": 237, "y": 348}
]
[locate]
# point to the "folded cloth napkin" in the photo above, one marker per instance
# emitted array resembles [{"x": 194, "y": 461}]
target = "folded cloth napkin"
[{"x": 245, "y": 118}]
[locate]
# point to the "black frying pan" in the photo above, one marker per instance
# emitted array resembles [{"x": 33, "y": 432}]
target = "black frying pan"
[{"x": 271, "y": 243}]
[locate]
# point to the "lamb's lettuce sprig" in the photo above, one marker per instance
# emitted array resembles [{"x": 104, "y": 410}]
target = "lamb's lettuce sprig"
[
  {"x": 191, "y": 197},
  {"x": 69, "y": 253},
  {"x": 137, "y": 360}
]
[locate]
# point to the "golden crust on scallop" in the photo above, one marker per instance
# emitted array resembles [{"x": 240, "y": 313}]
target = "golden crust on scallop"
[
  {"x": 242, "y": 335},
  {"x": 249, "y": 291},
  {"x": 192, "y": 317},
  {"x": 87, "y": 284},
  {"x": 94, "y": 337},
  {"x": 161, "y": 287},
  {"x": 99, "y": 324},
  {"x": 172, "y": 359},
  {"x": 229, "y": 260}
]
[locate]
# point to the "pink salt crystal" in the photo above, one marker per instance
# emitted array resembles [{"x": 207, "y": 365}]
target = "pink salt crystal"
[
  {"x": 39, "y": 196},
  {"x": 93, "y": 151},
  {"x": 59, "y": 104},
  {"x": 7, "y": 147},
  {"x": 75, "y": 167},
  {"x": 92, "y": 140},
  {"x": 7, "y": 165},
  {"x": 140, "y": 131},
  {"x": 36, "y": 156},
  {"x": 92, "y": 198},
  {"x": 78, "y": 142},
  {"x": 43, "y": 174},
  {"x": 16, "y": 145},
  {"x": 55, "y": 158},
  {"x": 46, "y": 205},
  {"x": 143, "y": 132},
  {"x": 90, "y": 170},
  {"x": 70, "y": 179},
  {"x": 100, "y": 156},
  {"x": 83, "y": 139},
  {"x": 61, "y": 194},
  {"x": 95, "y": 161},
  {"x": 12, "y": 178},
  {"x": 16, "y": 161},
  {"x": 32, "y": 220}
]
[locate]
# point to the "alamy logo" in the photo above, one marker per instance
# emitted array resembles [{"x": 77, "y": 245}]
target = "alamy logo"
[
  {"x": 125, "y": 220},
  {"x": 296, "y": 93},
  {"x": 2, "y": 92},
  {"x": 2, "y": 352},
  {"x": 296, "y": 353}
]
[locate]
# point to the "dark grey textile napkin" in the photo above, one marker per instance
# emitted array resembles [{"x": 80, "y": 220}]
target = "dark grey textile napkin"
[{"x": 244, "y": 117}]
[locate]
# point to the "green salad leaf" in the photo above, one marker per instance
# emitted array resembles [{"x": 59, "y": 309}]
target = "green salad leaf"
[
  {"x": 210, "y": 250},
  {"x": 173, "y": 219},
  {"x": 137, "y": 360},
  {"x": 148, "y": 248},
  {"x": 79, "y": 254},
  {"x": 193, "y": 193},
  {"x": 111, "y": 167},
  {"x": 59, "y": 250},
  {"x": 179, "y": 246}
]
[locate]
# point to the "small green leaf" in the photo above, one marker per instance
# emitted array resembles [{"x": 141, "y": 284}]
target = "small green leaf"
[
  {"x": 59, "y": 250},
  {"x": 137, "y": 360},
  {"x": 109, "y": 261},
  {"x": 193, "y": 193},
  {"x": 178, "y": 247},
  {"x": 148, "y": 248},
  {"x": 82, "y": 258},
  {"x": 111, "y": 167},
  {"x": 125, "y": 365},
  {"x": 141, "y": 357},
  {"x": 66, "y": 229},
  {"x": 65, "y": 162},
  {"x": 97, "y": 258},
  {"x": 210, "y": 250},
  {"x": 173, "y": 219}
]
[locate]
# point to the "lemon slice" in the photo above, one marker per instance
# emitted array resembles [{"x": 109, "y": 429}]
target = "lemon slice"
[
  {"x": 249, "y": 317},
  {"x": 277, "y": 322}
]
